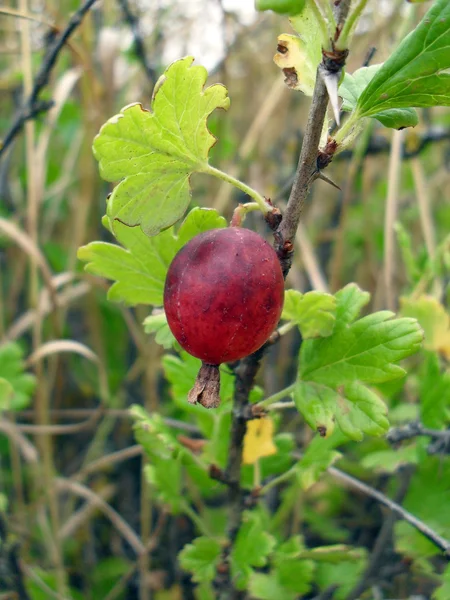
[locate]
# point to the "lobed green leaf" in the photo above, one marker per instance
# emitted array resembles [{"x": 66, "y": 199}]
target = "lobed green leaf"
[
  {"x": 313, "y": 312},
  {"x": 155, "y": 152},
  {"x": 334, "y": 370},
  {"x": 200, "y": 558}
]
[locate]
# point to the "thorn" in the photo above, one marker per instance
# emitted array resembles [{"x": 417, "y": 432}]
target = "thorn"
[
  {"x": 328, "y": 180},
  {"x": 331, "y": 81}
]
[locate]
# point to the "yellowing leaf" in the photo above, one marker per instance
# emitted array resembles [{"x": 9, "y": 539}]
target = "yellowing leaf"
[
  {"x": 258, "y": 441},
  {"x": 299, "y": 56},
  {"x": 434, "y": 320}
]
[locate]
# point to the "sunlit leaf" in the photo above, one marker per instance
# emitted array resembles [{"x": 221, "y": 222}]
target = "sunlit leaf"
[
  {"x": 155, "y": 152},
  {"x": 313, "y": 312},
  {"x": 334, "y": 371}
]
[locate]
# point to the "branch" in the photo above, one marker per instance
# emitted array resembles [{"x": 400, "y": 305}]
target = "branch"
[
  {"x": 33, "y": 106},
  {"x": 307, "y": 168},
  {"x": 440, "y": 443},
  {"x": 139, "y": 46},
  {"x": 248, "y": 367},
  {"x": 429, "y": 533}
]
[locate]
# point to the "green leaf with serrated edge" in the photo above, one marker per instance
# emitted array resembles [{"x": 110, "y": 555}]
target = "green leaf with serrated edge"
[
  {"x": 344, "y": 575},
  {"x": 17, "y": 386},
  {"x": 165, "y": 452},
  {"x": 140, "y": 266},
  {"x": 359, "y": 410},
  {"x": 313, "y": 312},
  {"x": 204, "y": 591},
  {"x": 296, "y": 575},
  {"x": 200, "y": 558},
  {"x": 155, "y": 152},
  {"x": 443, "y": 591},
  {"x": 318, "y": 456},
  {"x": 251, "y": 549},
  {"x": 157, "y": 324},
  {"x": 365, "y": 351},
  {"x": 301, "y": 54},
  {"x": 350, "y": 301},
  {"x": 166, "y": 478},
  {"x": 352, "y": 87},
  {"x": 268, "y": 587},
  {"x": 317, "y": 404},
  {"x": 428, "y": 500},
  {"x": 333, "y": 369},
  {"x": 389, "y": 461},
  {"x": 418, "y": 72},
  {"x": 282, "y": 7},
  {"x": 198, "y": 221}
]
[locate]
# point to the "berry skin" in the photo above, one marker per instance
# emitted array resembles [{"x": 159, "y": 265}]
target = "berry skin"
[{"x": 223, "y": 295}]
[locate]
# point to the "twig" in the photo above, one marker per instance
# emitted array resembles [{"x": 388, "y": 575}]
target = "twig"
[
  {"x": 440, "y": 438},
  {"x": 429, "y": 533},
  {"x": 33, "y": 106},
  {"x": 307, "y": 169},
  {"x": 382, "y": 540},
  {"x": 139, "y": 46}
]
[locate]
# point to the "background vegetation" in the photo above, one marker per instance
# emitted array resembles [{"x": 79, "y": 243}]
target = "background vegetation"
[{"x": 79, "y": 519}]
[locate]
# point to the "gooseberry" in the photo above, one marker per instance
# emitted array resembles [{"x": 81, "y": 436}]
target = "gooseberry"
[{"x": 223, "y": 298}]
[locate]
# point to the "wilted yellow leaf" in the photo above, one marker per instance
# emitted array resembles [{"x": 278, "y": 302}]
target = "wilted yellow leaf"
[
  {"x": 258, "y": 441},
  {"x": 433, "y": 319}
]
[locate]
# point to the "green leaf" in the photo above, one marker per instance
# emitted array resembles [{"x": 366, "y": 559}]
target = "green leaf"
[
  {"x": 344, "y": 575},
  {"x": 157, "y": 323},
  {"x": 155, "y": 152},
  {"x": 301, "y": 55},
  {"x": 318, "y": 456},
  {"x": 268, "y": 587},
  {"x": 388, "y": 461},
  {"x": 251, "y": 549},
  {"x": 313, "y": 312},
  {"x": 427, "y": 499},
  {"x": 16, "y": 386},
  {"x": 200, "y": 558},
  {"x": 333, "y": 370},
  {"x": 140, "y": 266},
  {"x": 197, "y": 221},
  {"x": 165, "y": 454},
  {"x": 353, "y": 86},
  {"x": 282, "y": 7},
  {"x": 418, "y": 72}
]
